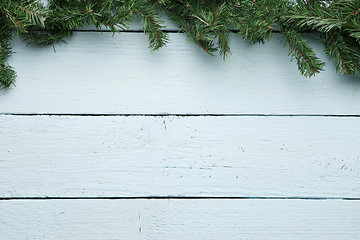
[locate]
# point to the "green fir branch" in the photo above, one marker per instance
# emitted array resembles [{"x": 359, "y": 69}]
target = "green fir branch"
[
  {"x": 115, "y": 16},
  {"x": 153, "y": 26},
  {"x": 195, "y": 24},
  {"x": 34, "y": 12},
  {"x": 7, "y": 74},
  {"x": 308, "y": 63},
  {"x": 346, "y": 59},
  {"x": 356, "y": 35},
  {"x": 349, "y": 9}
]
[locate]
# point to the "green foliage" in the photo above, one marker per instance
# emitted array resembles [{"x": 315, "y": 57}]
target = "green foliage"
[
  {"x": 346, "y": 58},
  {"x": 7, "y": 74},
  {"x": 207, "y": 23},
  {"x": 308, "y": 63},
  {"x": 152, "y": 25}
]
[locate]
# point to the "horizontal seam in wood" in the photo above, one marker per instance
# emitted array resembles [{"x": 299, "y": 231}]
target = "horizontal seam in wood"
[
  {"x": 138, "y": 31},
  {"x": 176, "y": 115},
  {"x": 180, "y": 198}
]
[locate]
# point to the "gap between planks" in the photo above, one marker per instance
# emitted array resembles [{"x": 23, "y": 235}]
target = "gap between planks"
[
  {"x": 176, "y": 115},
  {"x": 142, "y": 31},
  {"x": 181, "y": 198}
]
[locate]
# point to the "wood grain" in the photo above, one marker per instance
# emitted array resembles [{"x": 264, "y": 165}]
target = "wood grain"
[
  {"x": 172, "y": 156},
  {"x": 179, "y": 219},
  {"x": 179, "y": 156},
  {"x": 98, "y": 73}
]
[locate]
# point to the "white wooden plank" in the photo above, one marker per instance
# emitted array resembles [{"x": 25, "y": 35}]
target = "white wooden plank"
[
  {"x": 22, "y": 220},
  {"x": 177, "y": 156},
  {"x": 97, "y": 73},
  {"x": 179, "y": 219}
]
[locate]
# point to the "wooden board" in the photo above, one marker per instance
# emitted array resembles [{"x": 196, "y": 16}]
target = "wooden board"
[
  {"x": 275, "y": 166},
  {"x": 98, "y": 73},
  {"x": 179, "y": 156},
  {"x": 179, "y": 219}
]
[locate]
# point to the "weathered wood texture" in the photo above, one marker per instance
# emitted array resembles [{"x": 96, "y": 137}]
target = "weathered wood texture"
[
  {"x": 98, "y": 73},
  {"x": 179, "y": 219},
  {"x": 180, "y": 156},
  {"x": 96, "y": 156}
]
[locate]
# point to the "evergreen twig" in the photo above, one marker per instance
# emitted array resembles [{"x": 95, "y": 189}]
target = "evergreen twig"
[{"x": 308, "y": 63}]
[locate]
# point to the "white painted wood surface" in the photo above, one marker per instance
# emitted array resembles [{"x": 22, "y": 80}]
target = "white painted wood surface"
[
  {"x": 92, "y": 156},
  {"x": 180, "y": 156},
  {"x": 98, "y": 73},
  {"x": 179, "y": 219}
]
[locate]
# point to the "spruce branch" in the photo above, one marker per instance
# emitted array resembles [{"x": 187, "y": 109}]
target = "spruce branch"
[
  {"x": 321, "y": 24},
  {"x": 308, "y": 63},
  {"x": 194, "y": 21},
  {"x": 47, "y": 37},
  {"x": 153, "y": 26},
  {"x": 12, "y": 20},
  {"x": 313, "y": 15},
  {"x": 115, "y": 15},
  {"x": 346, "y": 59},
  {"x": 356, "y": 35},
  {"x": 35, "y": 13},
  {"x": 349, "y": 9},
  {"x": 213, "y": 23},
  {"x": 7, "y": 74},
  {"x": 224, "y": 43},
  {"x": 203, "y": 40},
  {"x": 256, "y": 20}
]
